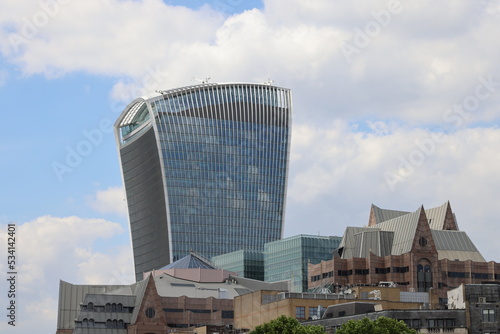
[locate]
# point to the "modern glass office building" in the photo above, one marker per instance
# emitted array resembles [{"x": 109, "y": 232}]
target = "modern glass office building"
[
  {"x": 288, "y": 258},
  {"x": 246, "y": 263},
  {"x": 205, "y": 169}
]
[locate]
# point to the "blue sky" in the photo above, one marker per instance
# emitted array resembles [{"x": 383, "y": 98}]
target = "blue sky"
[{"x": 395, "y": 104}]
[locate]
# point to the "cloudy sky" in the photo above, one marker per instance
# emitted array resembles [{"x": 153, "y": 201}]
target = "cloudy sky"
[{"x": 395, "y": 104}]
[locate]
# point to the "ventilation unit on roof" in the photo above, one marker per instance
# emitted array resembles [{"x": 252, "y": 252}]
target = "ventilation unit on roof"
[{"x": 482, "y": 300}]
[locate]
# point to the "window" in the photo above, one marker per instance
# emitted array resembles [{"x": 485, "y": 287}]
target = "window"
[
  {"x": 150, "y": 312},
  {"x": 424, "y": 278},
  {"x": 345, "y": 272},
  {"x": 313, "y": 312},
  {"x": 382, "y": 270},
  {"x": 488, "y": 315},
  {"x": 482, "y": 275},
  {"x": 422, "y": 242},
  {"x": 433, "y": 323},
  {"x": 300, "y": 312},
  {"x": 361, "y": 271},
  {"x": 456, "y": 274},
  {"x": 227, "y": 314}
]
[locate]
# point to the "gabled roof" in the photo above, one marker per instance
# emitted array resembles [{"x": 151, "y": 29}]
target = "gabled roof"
[
  {"x": 190, "y": 261},
  {"x": 404, "y": 228},
  {"x": 348, "y": 242},
  {"x": 378, "y": 215},
  {"x": 402, "y": 232},
  {"x": 440, "y": 218}
]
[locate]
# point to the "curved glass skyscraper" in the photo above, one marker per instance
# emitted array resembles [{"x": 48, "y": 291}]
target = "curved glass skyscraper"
[{"x": 205, "y": 169}]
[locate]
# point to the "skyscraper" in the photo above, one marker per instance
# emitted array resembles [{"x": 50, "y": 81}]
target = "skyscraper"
[{"x": 205, "y": 170}]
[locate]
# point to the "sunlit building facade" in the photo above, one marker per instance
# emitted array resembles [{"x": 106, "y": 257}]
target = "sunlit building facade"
[
  {"x": 205, "y": 170},
  {"x": 288, "y": 259}
]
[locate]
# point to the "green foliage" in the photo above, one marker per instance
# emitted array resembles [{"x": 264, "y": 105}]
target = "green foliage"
[
  {"x": 381, "y": 325},
  {"x": 287, "y": 325}
]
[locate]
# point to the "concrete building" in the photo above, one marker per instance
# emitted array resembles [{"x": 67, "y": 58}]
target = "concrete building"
[
  {"x": 472, "y": 309},
  {"x": 259, "y": 307},
  {"x": 423, "y": 321},
  {"x": 418, "y": 251},
  {"x": 481, "y": 303},
  {"x": 178, "y": 299},
  {"x": 204, "y": 169}
]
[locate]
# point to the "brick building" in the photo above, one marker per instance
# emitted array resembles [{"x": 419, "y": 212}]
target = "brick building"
[
  {"x": 186, "y": 294},
  {"x": 418, "y": 251}
]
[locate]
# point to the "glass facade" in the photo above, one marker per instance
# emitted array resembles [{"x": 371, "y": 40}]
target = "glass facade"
[
  {"x": 222, "y": 152},
  {"x": 288, "y": 258},
  {"x": 245, "y": 263}
]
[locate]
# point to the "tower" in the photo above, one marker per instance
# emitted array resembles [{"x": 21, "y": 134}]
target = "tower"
[{"x": 205, "y": 169}]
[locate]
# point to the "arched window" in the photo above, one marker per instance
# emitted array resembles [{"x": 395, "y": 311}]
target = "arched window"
[
  {"x": 108, "y": 323},
  {"x": 115, "y": 324},
  {"x": 113, "y": 307},
  {"x": 424, "y": 277},
  {"x": 119, "y": 307},
  {"x": 91, "y": 322},
  {"x": 85, "y": 323},
  {"x": 90, "y": 307},
  {"x": 108, "y": 307},
  {"x": 121, "y": 324}
]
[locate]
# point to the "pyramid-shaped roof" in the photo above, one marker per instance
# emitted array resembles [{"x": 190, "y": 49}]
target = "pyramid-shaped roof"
[{"x": 190, "y": 261}]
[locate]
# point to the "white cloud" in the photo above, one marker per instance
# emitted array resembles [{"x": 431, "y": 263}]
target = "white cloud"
[
  {"x": 49, "y": 249},
  {"x": 111, "y": 200},
  {"x": 407, "y": 70},
  {"x": 337, "y": 172}
]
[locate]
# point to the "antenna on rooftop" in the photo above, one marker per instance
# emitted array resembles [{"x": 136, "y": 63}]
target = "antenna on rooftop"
[
  {"x": 268, "y": 82},
  {"x": 203, "y": 81}
]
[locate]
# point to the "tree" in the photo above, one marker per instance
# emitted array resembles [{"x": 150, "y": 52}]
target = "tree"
[
  {"x": 287, "y": 325},
  {"x": 381, "y": 325}
]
